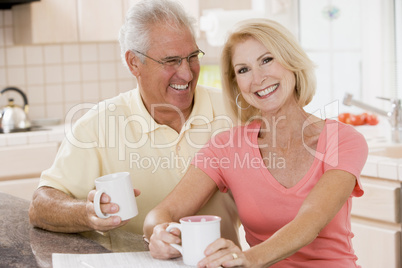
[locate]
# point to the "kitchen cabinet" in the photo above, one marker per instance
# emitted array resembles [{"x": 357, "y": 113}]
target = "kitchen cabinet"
[
  {"x": 60, "y": 21},
  {"x": 376, "y": 223},
  {"x": 100, "y": 20},
  {"x": 47, "y": 21},
  {"x": 22, "y": 165},
  {"x": 24, "y": 161}
]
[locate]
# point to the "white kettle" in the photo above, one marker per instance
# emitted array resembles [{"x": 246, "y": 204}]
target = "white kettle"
[{"x": 14, "y": 118}]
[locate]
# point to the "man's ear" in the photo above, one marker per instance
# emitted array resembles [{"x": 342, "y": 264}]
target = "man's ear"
[{"x": 132, "y": 61}]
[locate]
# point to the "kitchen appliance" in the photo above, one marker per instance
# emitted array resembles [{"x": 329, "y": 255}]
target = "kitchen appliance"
[{"x": 14, "y": 118}]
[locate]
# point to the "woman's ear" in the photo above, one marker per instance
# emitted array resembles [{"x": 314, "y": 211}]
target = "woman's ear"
[{"x": 132, "y": 61}]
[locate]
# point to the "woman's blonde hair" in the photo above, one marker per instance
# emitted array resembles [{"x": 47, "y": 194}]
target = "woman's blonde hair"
[{"x": 285, "y": 49}]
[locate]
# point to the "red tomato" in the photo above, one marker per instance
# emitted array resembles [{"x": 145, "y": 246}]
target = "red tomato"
[
  {"x": 357, "y": 120},
  {"x": 343, "y": 117},
  {"x": 372, "y": 119}
]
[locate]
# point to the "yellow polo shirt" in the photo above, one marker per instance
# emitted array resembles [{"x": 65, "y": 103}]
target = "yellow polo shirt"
[{"x": 119, "y": 134}]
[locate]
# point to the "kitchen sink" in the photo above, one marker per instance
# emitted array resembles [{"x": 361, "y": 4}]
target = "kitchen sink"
[{"x": 389, "y": 150}]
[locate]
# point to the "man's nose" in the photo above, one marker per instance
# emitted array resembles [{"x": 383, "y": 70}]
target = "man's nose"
[{"x": 184, "y": 70}]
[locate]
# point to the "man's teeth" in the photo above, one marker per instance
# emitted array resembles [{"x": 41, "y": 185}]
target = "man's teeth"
[
  {"x": 179, "y": 87},
  {"x": 267, "y": 90}
]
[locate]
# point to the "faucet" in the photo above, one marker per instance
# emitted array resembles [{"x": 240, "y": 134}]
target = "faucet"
[{"x": 394, "y": 116}]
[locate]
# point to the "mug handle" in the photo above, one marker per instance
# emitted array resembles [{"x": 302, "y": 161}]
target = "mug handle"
[
  {"x": 98, "y": 211},
  {"x": 178, "y": 226}
]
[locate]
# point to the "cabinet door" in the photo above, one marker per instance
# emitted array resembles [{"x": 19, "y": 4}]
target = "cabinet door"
[
  {"x": 377, "y": 246},
  {"x": 381, "y": 201},
  {"x": 46, "y": 21},
  {"x": 26, "y": 161},
  {"x": 100, "y": 20}
]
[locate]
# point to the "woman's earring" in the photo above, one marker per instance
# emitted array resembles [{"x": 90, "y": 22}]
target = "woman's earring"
[{"x": 238, "y": 105}]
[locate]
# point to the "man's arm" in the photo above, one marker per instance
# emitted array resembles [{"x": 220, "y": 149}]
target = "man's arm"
[{"x": 54, "y": 210}]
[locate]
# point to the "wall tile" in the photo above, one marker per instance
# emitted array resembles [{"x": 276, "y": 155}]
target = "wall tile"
[
  {"x": 107, "y": 71},
  {"x": 55, "y": 110},
  {"x": 72, "y": 92},
  {"x": 90, "y": 72},
  {"x": 53, "y": 74},
  {"x": 3, "y": 78},
  {"x": 89, "y": 52},
  {"x": 35, "y": 75},
  {"x": 34, "y": 55},
  {"x": 52, "y": 54},
  {"x": 108, "y": 89},
  {"x": 16, "y": 76},
  {"x": 37, "y": 111},
  {"x": 107, "y": 52},
  {"x": 2, "y": 57},
  {"x": 2, "y": 38},
  {"x": 8, "y": 36},
  {"x": 126, "y": 85},
  {"x": 72, "y": 73},
  {"x": 71, "y": 53},
  {"x": 58, "y": 77},
  {"x": 123, "y": 72},
  {"x": 54, "y": 93},
  {"x": 91, "y": 92},
  {"x": 15, "y": 56},
  {"x": 36, "y": 95}
]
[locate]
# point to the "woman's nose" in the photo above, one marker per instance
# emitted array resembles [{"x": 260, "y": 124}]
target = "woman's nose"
[{"x": 259, "y": 76}]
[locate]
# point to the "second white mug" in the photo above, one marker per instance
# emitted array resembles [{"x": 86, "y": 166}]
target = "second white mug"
[{"x": 197, "y": 232}]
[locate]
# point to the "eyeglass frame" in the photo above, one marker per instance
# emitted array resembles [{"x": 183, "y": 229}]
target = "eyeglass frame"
[{"x": 174, "y": 57}]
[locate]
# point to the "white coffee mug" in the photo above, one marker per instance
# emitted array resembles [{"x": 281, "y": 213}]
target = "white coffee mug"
[
  {"x": 120, "y": 189},
  {"x": 197, "y": 232}
]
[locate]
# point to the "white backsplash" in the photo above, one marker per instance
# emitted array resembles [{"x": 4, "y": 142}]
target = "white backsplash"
[{"x": 56, "y": 77}]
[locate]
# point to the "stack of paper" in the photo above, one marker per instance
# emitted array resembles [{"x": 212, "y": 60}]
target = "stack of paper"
[{"x": 115, "y": 260}]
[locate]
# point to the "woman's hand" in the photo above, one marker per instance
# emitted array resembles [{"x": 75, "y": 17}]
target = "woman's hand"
[
  {"x": 96, "y": 223},
  {"x": 159, "y": 243},
  {"x": 224, "y": 253}
]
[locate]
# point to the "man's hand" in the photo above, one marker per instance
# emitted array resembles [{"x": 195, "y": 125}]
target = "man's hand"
[{"x": 96, "y": 223}]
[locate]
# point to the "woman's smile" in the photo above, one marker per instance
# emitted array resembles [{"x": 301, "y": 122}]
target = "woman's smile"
[{"x": 267, "y": 91}]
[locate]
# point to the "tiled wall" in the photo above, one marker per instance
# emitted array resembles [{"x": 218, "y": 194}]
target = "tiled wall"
[{"x": 56, "y": 77}]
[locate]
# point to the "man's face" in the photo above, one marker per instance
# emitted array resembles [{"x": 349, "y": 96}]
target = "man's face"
[{"x": 168, "y": 85}]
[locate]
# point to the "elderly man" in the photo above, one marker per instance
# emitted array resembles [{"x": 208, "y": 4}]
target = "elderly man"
[{"x": 152, "y": 131}]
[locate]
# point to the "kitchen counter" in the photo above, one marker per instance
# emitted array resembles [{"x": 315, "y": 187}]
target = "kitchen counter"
[
  {"x": 42, "y": 134},
  {"x": 22, "y": 245},
  {"x": 385, "y": 157}
]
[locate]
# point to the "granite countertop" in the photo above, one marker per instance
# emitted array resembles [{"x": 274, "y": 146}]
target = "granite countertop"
[{"x": 22, "y": 245}]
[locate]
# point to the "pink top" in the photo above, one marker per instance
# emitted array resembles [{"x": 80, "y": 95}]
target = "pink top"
[{"x": 233, "y": 160}]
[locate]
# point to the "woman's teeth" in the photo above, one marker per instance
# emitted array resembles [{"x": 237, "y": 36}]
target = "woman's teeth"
[
  {"x": 179, "y": 87},
  {"x": 266, "y": 91}
]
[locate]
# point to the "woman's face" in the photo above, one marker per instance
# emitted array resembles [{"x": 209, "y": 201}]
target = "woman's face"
[{"x": 263, "y": 82}]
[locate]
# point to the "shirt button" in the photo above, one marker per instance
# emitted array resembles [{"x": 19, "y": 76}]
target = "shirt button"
[{"x": 178, "y": 147}]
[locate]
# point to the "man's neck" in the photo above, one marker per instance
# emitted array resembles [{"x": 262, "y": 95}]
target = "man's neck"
[{"x": 175, "y": 119}]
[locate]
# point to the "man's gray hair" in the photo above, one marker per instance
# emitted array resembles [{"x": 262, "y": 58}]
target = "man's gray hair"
[{"x": 134, "y": 34}]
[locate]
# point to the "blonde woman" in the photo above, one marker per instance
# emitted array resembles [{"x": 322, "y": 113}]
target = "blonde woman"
[{"x": 292, "y": 175}]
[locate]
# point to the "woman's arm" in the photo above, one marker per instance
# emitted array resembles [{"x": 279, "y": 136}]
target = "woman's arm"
[
  {"x": 189, "y": 196},
  {"x": 318, "y": 209}
]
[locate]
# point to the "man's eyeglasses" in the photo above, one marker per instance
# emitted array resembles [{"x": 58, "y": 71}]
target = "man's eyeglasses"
[{"x": 193, "y": 59}]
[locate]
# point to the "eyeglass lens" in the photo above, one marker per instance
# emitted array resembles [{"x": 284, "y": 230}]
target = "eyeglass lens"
[{"x": 191, "y": 59}]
